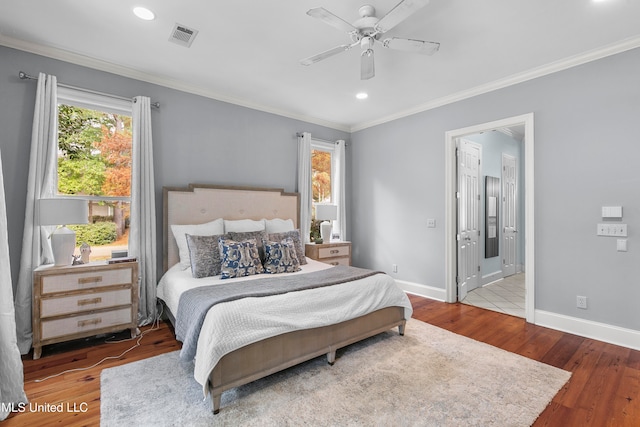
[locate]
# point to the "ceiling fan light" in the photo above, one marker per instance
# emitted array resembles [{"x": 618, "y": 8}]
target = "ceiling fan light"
[
  {"x": 367, "y": 69},
  {"x": 143, "y": 13}
]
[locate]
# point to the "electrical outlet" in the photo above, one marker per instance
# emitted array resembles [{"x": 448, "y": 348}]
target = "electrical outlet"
[
  {"x": 581, "y": 302},
  {"x": 394, "y": 268}
]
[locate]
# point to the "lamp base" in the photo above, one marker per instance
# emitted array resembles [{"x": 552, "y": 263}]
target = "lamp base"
[
  {"x": 325, "y": 231},
  {"x": 63, "y": 244}
]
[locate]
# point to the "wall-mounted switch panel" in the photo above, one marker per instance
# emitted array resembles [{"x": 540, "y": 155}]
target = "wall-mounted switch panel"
[
  {"x": 612, "y": 212},
  {"x": 621, "y": 245},
  {"x": 619, "y": 230}
]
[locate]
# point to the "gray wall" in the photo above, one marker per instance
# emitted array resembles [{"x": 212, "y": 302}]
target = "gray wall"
[
  {"x": 196, "y": 139},
  {"x": 586, "y": 150},
  {"x": 586, "y": 144}
]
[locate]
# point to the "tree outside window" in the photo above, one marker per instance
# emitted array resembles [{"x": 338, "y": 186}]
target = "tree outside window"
[
  {"x": 94, "y": 162},
  {"x": 320, "y": 185},
  {"x": 321, "y": 176}
]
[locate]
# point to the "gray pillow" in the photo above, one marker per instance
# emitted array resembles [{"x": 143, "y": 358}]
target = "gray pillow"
[
  {"x": 297, "y": 242},
  {"x": 204, "y": 255},
  {"x": 258, "y": 236}
]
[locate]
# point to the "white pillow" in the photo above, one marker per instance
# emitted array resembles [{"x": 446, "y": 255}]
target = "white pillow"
[
  {"x": 278, "y": 225},
  {"x": 243, "y": 225},
  {"x": 180, "y": 231}
]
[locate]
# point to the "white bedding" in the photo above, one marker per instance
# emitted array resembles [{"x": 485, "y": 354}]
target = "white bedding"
[{"x": 232, "y": 325}]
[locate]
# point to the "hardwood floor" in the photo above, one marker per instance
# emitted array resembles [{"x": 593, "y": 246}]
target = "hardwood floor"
[{"x": 604, "y": 389}]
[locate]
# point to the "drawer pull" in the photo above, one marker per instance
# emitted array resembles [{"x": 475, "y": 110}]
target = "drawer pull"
[
  {"x": 334, "y": 251},
  {"x": 334, "y": 263},
  {"x": 87, "y": 301},
  {"x": 89, "y": 322},
  {"x": 93, "y": 279}
]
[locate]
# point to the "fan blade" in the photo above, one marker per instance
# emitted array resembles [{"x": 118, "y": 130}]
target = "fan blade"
[
  {"x": 324, "y": 55},
  {"x": 329, "y": 18},
  {"x": 411, "y": 45},
  {"x": 367, "y": 69},
  {"x": 398, "y": 14}
]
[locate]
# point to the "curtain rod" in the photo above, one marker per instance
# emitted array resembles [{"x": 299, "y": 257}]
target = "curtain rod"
[
  {"x": 25, "y": 76},
  {"x": 299, "y": 134}
]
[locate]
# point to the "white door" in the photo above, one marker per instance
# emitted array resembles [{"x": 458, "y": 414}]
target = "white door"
[
  {"x": 469, "y": 155},
  {"x": 509, "y": 215}
]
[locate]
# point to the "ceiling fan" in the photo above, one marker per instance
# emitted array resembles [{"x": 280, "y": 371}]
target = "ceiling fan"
[{"x": 368, "y": 30}]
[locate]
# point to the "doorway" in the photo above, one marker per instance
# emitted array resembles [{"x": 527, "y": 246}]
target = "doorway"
[{"x": 525, "y": 122}]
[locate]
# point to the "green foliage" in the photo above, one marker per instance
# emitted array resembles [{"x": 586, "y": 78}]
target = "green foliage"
[
  {"x": 101, "y": 218},
  {"x": 78, "y": 129},
  {"x": 81, "y": 176},
  {"x": 314, "y": 232},
  {"x": 101, "y": 233},
  {"x": 94, "y": 152}
]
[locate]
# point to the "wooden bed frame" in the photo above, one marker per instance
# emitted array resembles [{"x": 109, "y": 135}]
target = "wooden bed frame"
[{"x": 201, "y": 203}]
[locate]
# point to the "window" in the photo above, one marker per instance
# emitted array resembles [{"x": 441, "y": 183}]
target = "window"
[
  {"x": 323, "y": 180},
  {"x": 321, "y": 175},
  {"x": 94, "y": 163}
]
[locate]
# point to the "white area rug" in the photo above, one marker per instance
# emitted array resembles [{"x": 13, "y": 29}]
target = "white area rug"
[{"x": 429, "y": 377}]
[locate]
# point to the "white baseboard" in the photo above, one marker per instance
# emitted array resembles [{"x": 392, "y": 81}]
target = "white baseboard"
[
  {"x": 629, "y": 338},
  {"x": 491, "y": 277},
  {"x": 430, "y": 292},
  {"x": 611, "y": 334}
]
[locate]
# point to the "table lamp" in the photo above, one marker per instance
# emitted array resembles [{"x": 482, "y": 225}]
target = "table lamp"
[
  {"x": 61, "y": 211},
  {"x": 327, "y": 213}
]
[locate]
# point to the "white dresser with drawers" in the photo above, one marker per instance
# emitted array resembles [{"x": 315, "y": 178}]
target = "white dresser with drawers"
[{"x": 79, "y": 301}]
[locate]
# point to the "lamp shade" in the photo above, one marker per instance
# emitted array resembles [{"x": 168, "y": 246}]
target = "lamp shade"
[
  {"x": 326, "y": 211},
  {"x": 63, "y": 211},
  {"x": 60, "y": 212}
]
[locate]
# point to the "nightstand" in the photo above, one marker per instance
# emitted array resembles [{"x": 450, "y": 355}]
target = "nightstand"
[
  {"x": 79, "y": 301},
  {"x": 334, "y": 253}
]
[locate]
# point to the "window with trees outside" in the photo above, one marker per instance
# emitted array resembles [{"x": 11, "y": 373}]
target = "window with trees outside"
[
  {"x": 322, "y": 160},
  {"x": 94, "y": 163},
  {"x": 321, "y": 175}
]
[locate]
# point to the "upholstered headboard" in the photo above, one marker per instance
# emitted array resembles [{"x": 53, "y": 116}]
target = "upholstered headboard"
[{"x": 200, "y": 203}]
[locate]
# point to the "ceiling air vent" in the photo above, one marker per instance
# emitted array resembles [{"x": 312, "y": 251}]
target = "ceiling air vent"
[{"x": 183, "y": 35}]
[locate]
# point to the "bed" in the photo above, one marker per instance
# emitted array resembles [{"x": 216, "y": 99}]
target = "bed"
[{"x": 245, "y": 339}]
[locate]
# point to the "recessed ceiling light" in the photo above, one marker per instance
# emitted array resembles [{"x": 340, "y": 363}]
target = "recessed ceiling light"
[
  {"x": 362, "y": 95},
  {"x": 143, "y": 13}
]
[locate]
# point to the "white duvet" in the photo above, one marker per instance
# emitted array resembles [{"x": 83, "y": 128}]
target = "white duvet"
[{"x": 232, "y": 325}]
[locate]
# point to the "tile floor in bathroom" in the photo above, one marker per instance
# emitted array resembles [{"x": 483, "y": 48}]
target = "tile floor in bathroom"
[{"x": 506, "y": 296}]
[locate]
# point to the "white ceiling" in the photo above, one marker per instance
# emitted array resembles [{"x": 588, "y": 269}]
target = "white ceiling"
[{"x": 248, "y": 51}]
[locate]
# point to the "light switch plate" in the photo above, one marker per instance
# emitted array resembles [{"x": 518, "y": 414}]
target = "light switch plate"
[
  {"x": 612, "y": 211},
  {"x": 622, "y": 245},
  {"x": 618, "y": 230}
]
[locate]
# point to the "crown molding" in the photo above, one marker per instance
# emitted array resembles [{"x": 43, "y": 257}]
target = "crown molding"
[
  {"x": 570, "y": 62},
  {"x": 553, "y": 67},
  {"x": 96, "y": 64}
]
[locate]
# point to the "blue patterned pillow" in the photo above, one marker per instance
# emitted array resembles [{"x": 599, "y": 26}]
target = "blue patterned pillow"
[
  {"x": 239, "y": 259},
  {"x": 297, "y": 241},
  {"x": 280, "y": 257}
]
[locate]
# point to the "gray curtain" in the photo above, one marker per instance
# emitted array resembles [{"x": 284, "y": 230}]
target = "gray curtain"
[
  {"x": 36, "y": 249},
  {"x": 11, "y": 379},
  {"x": 142, "y": 231}
]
